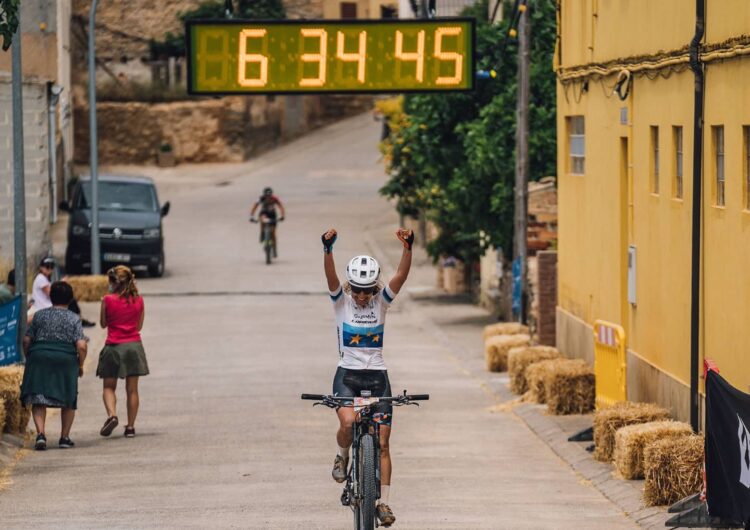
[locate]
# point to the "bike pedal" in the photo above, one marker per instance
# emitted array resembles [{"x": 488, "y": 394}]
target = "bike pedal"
[{"x": 346, "y": 498}]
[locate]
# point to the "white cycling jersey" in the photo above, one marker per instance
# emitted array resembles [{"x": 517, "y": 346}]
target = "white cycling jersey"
[{"x": 360, "y": 330}]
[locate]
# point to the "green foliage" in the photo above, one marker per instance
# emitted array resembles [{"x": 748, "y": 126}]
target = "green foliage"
[
  {"x": 174, "y": 45},
  {"x": 8, "y": 21},
  {"x": 452, "y": 156}
]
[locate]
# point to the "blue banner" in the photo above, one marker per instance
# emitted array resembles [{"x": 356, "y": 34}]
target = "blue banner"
[
  {"x": 9, "y": 313},
  {"x": 516, "y": 306}
]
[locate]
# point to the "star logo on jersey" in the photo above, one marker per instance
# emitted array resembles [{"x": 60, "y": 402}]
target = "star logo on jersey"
[{"x": 356, "y": 339}]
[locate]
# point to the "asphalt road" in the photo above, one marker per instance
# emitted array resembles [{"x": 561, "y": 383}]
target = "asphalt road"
[{"x": 223, "y": 439}]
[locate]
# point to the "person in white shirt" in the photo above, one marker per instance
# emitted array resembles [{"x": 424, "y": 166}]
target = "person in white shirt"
[
  {"x": 41, "y": 286},
  {"x": 360, "y": 306}
]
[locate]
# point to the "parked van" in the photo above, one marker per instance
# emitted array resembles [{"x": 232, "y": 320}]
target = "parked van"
[{"x": 130, "y": 225}]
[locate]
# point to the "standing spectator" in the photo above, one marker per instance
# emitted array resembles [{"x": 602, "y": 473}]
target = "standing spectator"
[
  {"x": 123, "y": 356},
  {"x": 55, "y": 349},
  {"x": 40, "y": 291},
  {"x": 8, "y": 289}
]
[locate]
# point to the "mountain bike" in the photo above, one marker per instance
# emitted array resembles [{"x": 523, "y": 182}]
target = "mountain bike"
[
  {"x": 362, "y": 486},
  {"x": 268, "y": 239}
]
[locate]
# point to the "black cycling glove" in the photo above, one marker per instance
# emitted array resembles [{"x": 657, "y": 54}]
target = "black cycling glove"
[
  {"x": 407, "y": 241},
  {"x": 328, "y": 243}
]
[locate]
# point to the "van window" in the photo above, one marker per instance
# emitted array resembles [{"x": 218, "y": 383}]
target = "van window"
[{"x": 123, "y": 196}]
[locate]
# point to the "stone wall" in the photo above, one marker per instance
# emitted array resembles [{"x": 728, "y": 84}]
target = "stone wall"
[
  {"x": 230, "y": 129},
  {"x": 36, "y": 174}
]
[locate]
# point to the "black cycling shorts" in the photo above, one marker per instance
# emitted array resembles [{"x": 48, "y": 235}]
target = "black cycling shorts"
[{"x": 349, "y": 383}]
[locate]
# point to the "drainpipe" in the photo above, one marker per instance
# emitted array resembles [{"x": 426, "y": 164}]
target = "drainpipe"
[
  {"x": 53, "y": 95},
  {"x": 695, "y": 301}
]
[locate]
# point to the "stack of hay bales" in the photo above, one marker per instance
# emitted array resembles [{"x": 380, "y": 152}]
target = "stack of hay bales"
[
  {"x": 504, "y": 328},
  {"x": 569, "y": 387},
  {"x": 16, "y": 415},
  {"x": 88, "y": 288},
  {"x": 673, "y": 468},
  {"x": 609, "y": 419},
  {"x": 522, "y": 357},
  {"x": 632, "y": 440},
  {"x": 496, "y": 349}
]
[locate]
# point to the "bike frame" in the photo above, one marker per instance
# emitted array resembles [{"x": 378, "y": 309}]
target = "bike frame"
[{"x": 365, "y": 424}]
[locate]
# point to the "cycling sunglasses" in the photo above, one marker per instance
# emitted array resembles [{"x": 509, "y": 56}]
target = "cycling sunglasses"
[{"x": 366, "y": 290}]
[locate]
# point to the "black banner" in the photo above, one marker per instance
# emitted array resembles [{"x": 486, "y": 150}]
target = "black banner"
[{"x": 727, "y": 450}]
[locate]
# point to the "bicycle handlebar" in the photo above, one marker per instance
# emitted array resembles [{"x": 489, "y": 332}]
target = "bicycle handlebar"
[{"x": 401, "y": 397}]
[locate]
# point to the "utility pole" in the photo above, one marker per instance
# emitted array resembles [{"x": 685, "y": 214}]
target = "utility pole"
[
  {"x": 19, "y": 188},
  {"x": 522, "y": 153},
  {"x": 96, "y": 263}
]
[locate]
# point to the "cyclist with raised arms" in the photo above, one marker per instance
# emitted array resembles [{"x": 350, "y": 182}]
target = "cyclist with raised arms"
[
  {"x": 360, "y": 306},
  {"x": 268, "y": 202}
]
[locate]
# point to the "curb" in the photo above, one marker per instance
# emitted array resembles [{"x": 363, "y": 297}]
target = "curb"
[{"x": 624, "y": 494}]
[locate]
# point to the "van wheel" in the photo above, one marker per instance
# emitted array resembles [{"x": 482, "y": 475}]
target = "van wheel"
[{"x": 157, "y": 271}]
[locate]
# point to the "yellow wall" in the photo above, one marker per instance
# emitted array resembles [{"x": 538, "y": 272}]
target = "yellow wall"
[{"x": 597, "y": 220}]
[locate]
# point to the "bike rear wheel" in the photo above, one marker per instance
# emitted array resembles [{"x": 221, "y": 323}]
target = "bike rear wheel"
[
  {"x": 267, "y": 243},
  {"x": 367, "y": 483}
]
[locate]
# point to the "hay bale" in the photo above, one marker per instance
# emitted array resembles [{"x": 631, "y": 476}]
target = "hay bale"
[
  {"x": 88, "y": 288},
  {"x": 569, "y": 387},
  {"x": 2, "y": 417},
  {"x": 16, "y": 415},
  {"x": 631, "y": 441},
  {"x": 609, "y": 419},
  {"x": 521, "y": 357},
  {"x": 673, "y": 468},
  {"x": 504, "y": 328},
  {"x": 535, "y": 375},
  {"x": 496, "y": 350}
]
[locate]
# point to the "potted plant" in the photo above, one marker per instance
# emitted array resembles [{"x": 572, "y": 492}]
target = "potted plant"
[{"x": 165, "y": 157}]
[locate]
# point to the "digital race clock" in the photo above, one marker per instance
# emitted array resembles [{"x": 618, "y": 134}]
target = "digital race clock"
[{"x": 303, "y": 56}]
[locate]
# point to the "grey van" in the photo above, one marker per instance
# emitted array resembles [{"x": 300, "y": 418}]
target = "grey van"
[{"x": 130, "y": 225}]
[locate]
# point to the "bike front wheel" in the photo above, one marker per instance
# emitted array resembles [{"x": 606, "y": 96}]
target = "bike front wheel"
[{"x": 367, "y": 483}]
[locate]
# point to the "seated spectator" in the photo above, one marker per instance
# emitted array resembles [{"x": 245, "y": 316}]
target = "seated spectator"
[{"x": 8, "y": 289}]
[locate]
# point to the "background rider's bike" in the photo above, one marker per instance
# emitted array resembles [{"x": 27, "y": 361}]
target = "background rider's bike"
[
  {"x": 362, "y": 486},
  {"x": 268, "y": 240}
]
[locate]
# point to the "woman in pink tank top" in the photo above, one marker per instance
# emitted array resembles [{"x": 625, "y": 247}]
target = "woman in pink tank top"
[{"x": 123, "y": 356}]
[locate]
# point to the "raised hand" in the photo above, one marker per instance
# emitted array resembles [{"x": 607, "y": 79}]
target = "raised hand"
[
  {"x": 406, "y": 237},
  {"x": 328, "y": 239}
]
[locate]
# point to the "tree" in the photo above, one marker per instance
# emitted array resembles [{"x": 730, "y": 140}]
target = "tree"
[
  {"x": 452, "y": 156},
  {"x": 8, "y": 21},
  {"x": 174, "y": 45}
]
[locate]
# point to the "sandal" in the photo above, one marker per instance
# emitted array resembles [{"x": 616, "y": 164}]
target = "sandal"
[{"x": 109, "y": 426}]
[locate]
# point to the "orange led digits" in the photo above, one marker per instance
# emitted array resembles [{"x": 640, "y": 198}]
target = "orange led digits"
[
  {"x": 212, "y": 66},
  {"x": 417, "y": 57},
  {"x": 329, "y": 56},
  {"x": 457, "y": 58},
  {"x": 319, "y": 57},
  {"x": 358, "y": 57},
  {"x": 252, "y": 58}
]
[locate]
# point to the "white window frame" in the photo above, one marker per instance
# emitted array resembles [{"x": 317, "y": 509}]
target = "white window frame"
[{"x": 576, "y": 138}]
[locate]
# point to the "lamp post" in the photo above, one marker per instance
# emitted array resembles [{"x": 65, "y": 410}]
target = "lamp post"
[{"x": 95, "y": 254}]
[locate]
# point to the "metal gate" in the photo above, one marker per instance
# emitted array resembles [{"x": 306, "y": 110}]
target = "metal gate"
[{"x": 610, "y": 364}]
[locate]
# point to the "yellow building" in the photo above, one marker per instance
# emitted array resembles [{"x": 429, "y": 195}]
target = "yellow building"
[{"x": 625, "y": 100}]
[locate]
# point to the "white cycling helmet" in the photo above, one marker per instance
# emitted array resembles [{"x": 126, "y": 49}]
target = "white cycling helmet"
[{"x": 363, "y": 272}]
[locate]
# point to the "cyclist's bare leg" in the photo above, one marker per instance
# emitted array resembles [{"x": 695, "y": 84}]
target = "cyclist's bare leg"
[
  {"x": 385, "y": 455},
  {"x": 346, "y": 420}
]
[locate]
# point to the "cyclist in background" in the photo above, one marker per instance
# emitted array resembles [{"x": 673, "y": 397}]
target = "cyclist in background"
[
  {"x": 268, "y": 202},
  {"x": 360, "y": 306}
]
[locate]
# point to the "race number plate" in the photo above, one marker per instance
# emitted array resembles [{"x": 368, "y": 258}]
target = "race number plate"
[{"x": 361, "y": 402}]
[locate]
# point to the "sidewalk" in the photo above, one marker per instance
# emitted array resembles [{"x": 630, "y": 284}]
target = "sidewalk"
[{"x": 459, "y": 324}]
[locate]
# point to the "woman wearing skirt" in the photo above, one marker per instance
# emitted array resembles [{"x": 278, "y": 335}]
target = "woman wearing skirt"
[
  {"x": 55, "y": 349},
  {"x": 122, "y": 357}
]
